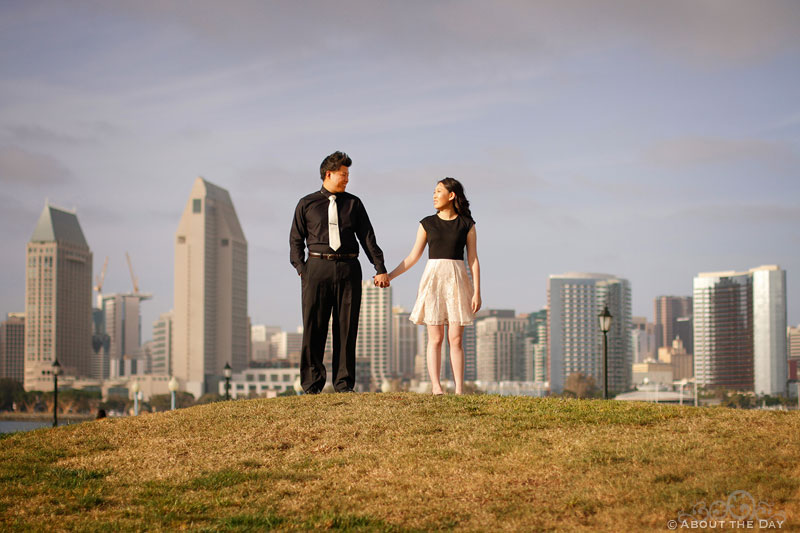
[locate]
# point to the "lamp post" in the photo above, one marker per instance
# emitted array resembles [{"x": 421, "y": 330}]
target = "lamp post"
[
  {"x": 228, "y": 374},
  {"x": 56, "y": 373},
  {"x": 173, "y": 387},
  {"x": 605, "y": 325},
  {"x": 135, "y": 389}
]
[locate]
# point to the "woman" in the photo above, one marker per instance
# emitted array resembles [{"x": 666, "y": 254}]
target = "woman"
[{"x": 446, "y": 296}]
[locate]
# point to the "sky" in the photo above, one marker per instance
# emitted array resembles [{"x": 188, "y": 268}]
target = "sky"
[{"x": 645, "y": 139}]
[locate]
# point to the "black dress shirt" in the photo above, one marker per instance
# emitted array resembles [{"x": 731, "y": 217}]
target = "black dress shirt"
[{"x": 310, "y": 228}]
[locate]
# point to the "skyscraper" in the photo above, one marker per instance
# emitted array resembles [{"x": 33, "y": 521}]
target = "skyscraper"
[
  {"x": 575, "y": 341},
  {"x": 740, "y": 330},
  {"x": 536, "y": 346},
  {"x": 210, "y": 323},
  {"x": 404, "y": 344},
  {"x": 161, "y": 351},
  {"x": 374, "y": 342},
  {"x": 643, "y": 339},
  {"x": 12, "y": 347},
  {"x": 793, "y": 347},
  {"x": 58, "y": 299},
  {"x": 668, "y": 309},
  {"x": 261, "y": 342},
  {"x": 500, "y": 342},
  {"x": 124, "y": 329}
]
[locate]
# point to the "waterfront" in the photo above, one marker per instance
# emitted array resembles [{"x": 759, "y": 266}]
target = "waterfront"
[{"x": 30, "y": 424}]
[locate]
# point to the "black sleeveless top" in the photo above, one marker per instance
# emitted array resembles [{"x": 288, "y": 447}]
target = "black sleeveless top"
[{"x": 446, "y": 238}]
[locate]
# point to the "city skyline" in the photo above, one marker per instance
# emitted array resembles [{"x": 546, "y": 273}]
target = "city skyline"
[{"x": 617, "y": 139}]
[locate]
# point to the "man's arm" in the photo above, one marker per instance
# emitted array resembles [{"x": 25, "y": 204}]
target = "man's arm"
[
  {"x": 297, "y": 239},
  {"x": 366, "y": 236}
]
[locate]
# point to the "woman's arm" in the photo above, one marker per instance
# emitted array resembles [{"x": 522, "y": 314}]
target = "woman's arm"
[
  {"x": 413, "y": 256},
  {"x": 475, "y": 267}
]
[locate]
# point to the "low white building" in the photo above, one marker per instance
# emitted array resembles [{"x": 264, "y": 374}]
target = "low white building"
[{"x": 262, "y": 381}]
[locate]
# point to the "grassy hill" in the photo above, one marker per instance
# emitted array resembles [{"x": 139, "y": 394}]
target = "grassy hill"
[{"x": 399, "y": 462}]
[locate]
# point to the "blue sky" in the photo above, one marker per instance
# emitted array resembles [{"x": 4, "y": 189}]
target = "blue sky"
[{"x": 650, "y": 140}]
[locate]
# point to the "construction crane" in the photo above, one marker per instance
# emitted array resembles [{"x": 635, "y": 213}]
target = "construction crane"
[
  {"x": 135, "y": 280},
  {"x": 99, "y": 280}
]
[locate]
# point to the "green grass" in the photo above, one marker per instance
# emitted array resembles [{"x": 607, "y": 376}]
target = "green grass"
[{"x": 398, "y": 462}]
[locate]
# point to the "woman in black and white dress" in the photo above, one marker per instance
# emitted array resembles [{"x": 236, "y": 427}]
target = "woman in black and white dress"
[{"x": 446, "y": 296}]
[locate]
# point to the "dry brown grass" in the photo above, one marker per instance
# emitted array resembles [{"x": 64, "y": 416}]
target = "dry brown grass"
[{"x": 398, "y": 462}]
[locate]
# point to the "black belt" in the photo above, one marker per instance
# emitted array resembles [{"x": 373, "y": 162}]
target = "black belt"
[{"x": 332, "y": 257}]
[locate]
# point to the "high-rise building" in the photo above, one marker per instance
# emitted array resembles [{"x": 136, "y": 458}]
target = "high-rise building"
[
  {"x": 684, "y": 330},
  {"x": 12, "y": 347},
  {"x": 668, "y": 309},
  {"x": 793, "y": 342},
  {"x": 58, "y": 300},
  {"x": 500, "y": 342},
  {"x": 740, "y": 330},
  {"x": 147, "y": 357},
  {"x": 210, "y": 322},
  {"x": 470, "y": 353},
  {"x": 287, "y": 345},
  {"x": 261, "y": 342},
  {"x": 161, "y": 351},
  {"x": 404, "y": 344},
  {"x": 793, "y": 347},
  {"x": 536, "y": 346},
  {"x": 575, "y": 341},
  {"x": 643, "y": 339},
  {"x": 682, "y": 362},
  {"x": 124, "y": 329},
  {"x": 374, "y": 342}
]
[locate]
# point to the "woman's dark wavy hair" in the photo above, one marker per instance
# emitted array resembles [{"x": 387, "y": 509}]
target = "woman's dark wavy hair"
[{"x": 460, "y": 202}]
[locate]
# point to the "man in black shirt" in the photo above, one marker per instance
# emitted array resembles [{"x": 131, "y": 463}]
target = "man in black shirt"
[{"x": 328, "y": 222}]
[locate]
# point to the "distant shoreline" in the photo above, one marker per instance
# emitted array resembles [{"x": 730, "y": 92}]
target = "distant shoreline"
[{"x": 35, "y": 417}]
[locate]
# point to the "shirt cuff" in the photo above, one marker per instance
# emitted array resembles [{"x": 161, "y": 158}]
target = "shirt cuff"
[{"x": 380, "y": 269}]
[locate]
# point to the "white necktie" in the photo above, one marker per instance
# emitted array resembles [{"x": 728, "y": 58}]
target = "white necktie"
[{"x": 333, "y": 224}]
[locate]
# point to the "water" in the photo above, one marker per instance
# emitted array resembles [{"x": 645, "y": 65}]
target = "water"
[{"x": 12, "y": 426}]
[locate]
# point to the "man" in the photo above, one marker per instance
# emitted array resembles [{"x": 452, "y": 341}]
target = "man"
[{"x": 328, "y": 222}]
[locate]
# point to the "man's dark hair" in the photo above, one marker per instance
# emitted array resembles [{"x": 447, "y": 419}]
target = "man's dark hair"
[{"x": 333, "y": 162}]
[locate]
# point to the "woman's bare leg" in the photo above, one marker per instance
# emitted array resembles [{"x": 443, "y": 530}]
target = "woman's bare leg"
[
  {"x": 435, "y": 339},
  {"x": 455, "y": 334}
]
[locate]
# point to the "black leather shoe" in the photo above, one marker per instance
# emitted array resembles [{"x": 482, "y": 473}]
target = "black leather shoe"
[
  {"x": 346, "y": 390},
  {"x": 313, "y": 390}
]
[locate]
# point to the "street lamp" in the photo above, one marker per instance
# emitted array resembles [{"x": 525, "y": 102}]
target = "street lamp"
[
  {"x": 605, "y": 325},
  {"x": 228, "y": 374},
  {"x": 56, "y": 373},
  {"x": 135, "y": 389},
  {"x": 173, "y": 387}
]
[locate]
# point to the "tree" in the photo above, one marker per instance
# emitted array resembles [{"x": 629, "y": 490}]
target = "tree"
[
  {"x": 163, "y": 402},
  {"x": 78, "y": 401},
  {"x": 11, "y": 392},
  {"x": 210, "y": 397},
  {"x": 580, "y": 385},
  {"x": 115, "y": 403}
]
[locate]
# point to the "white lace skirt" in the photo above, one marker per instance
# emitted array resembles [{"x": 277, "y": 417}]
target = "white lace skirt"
[{"x": 445, "y": 294}]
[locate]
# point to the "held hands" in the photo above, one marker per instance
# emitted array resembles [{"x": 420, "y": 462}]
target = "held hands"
[
  {"x": 381, "y": 280},
  {"x": 476, "y": 303}
]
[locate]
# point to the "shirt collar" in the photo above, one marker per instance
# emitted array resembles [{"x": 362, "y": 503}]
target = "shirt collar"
[{"x": 325, "y": 192}]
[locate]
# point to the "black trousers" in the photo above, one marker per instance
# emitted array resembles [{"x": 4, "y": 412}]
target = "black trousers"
[{"x": 330, "y": 287}]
